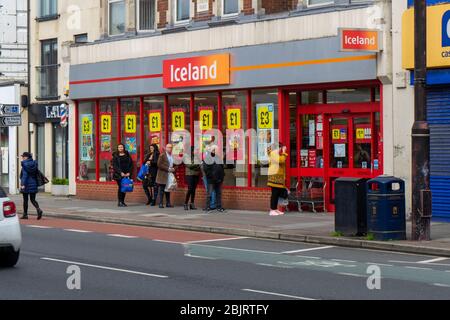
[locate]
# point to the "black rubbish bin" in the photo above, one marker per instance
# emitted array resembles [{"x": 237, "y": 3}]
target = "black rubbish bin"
[
  {"x": 350, "y": 201},
  {"x": 386, "y": 215}
]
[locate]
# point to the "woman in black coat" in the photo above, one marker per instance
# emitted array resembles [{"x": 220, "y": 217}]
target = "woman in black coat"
[
  {"x": 149, "y": 183},
  {"x": 123, "y": 165}
]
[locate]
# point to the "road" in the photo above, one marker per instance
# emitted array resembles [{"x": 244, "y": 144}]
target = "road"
[{"x": 127, "y": 262}]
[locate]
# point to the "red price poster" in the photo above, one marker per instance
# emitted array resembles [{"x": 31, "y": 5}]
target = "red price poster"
[{"x": 312, "y": 157}]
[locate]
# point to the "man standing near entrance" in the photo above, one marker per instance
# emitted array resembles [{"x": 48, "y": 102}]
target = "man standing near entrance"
[{"x": 277, "y": 176}]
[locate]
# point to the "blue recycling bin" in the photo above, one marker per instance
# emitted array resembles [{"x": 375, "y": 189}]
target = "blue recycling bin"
[{"x": 386, "y": 217}]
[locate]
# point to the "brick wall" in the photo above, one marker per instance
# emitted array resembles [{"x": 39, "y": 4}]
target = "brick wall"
[
  {"x": 248, "y": 8},
  {"x": 275, "y": 6},
  {"x": 233, "y": 198},
  {"x": 162, "y": 7},
  {"x": 205, "y": 15}
]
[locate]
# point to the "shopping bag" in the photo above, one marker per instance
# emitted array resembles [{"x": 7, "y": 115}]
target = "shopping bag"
[
  {"x": 143, "y": 172},
  {"x": 171, "y": 183},
  {"x": 126, "y": 185}
]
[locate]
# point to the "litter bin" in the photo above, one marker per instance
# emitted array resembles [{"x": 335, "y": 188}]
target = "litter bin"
[
  {"x": 350, "y": 202},
  {"x": 386, "y": 216}
]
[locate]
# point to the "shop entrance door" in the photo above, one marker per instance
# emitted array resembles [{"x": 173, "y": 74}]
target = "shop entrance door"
[{"x": 334, "y": 145}]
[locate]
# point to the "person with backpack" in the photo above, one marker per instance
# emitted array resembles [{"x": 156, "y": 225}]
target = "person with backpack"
[
  {"x": 29, "y": 184},
  {"x": 149, "y": 182},
  {"x": 215, "y": 175},
  {"x": 123, "y": 165}
]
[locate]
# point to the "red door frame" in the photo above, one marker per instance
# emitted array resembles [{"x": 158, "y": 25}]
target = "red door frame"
[{"x": 349, "y": 111}]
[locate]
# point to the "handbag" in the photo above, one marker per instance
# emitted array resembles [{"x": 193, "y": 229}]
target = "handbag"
[
  {"x": 41, "y": 179},
  {"x": 126, "y": 185},
  {"x": 171, "y": 183},
  {"x": 143, "y": 172}
]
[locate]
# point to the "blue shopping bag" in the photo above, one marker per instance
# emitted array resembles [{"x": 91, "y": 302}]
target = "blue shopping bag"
[
  {"x": 126, "y": 185},
  {"x": 142, "y": 172}
]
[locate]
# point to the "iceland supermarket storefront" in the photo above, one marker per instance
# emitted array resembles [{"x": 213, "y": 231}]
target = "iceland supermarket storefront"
[{"x": 324, "y": 102}]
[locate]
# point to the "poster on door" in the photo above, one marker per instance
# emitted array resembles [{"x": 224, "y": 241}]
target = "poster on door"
[
  {"x": 87, "y": 151},
  {"x": 265, "y": 130},
  {"x": 131, "y": 133},
  {"x": 363, "y": 133},
  {"x": 339, "y": 134}
]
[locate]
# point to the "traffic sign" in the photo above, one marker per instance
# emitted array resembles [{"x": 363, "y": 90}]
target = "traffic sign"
[
  {"x": 9, "y": 110},
  {"x": 14, "y": 121}
]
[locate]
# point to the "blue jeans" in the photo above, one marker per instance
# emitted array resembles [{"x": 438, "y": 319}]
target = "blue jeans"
[{"x": 212, "y": 202}]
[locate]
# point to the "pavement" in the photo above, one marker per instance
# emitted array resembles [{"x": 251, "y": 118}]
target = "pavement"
[
  {"x": 70, "y": 259},
  {"x": 315, "y": 228}
]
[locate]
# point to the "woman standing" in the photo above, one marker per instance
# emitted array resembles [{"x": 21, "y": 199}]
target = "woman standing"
[
  {"x": 192, "y": 178},
  {"x": 165, "y": 166},
  {"x": 123, "y": 165},
  {"x": 28, "y": 184},
  {"x": 277, "y": 176},
  {"x": 149, "y": 183}
]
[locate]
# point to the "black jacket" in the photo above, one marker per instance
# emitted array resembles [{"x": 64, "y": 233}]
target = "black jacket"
[
  {"x": 153, "y": 169},
  {"x": 215, "y": 172},
  {"x": 121, "y": 165}
]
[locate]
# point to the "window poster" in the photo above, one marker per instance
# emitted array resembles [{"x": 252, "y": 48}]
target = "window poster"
[
  {"x": 131, "y": 145},
  {"x": 206, "y": 118},
  {"x": 265, "y": 130},
  {"x": 235, "y": 136},
  {"x": 87, "y": 151},
  {"x": 340, "y": 150},
  {"x": 180, "y": 142},
  {"x": 105, "y": 143},
  {"x": 178, "y": 119}
]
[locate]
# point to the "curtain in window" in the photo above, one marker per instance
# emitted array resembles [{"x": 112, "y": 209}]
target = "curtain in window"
[{"x": 146, "y": 14}]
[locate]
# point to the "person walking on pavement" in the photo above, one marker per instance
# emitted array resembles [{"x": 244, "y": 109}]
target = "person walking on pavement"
[
  {"x": 165, "y": 166},
  {"x": 192, "y": 178},
  {"x": 123, "y": 165},
  {"x": 215, "y": 174},
  {"x": 28, "y": 184},
  {"x": 277, "y": 176},
  {"x": 149, "y": 183}
]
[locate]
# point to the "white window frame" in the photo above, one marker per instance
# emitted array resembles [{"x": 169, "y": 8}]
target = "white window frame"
[
  {"x": 176, "y": 13},
  {"x": 318, "y": 4},
  {"x": 138, "y": 17},
  {"x": 40, "y": 15},
  {"x": 234, "y": 14},
  {"x": 109, "y": 17}
]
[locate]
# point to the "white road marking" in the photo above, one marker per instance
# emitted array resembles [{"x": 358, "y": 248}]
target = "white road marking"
[
  {"x": 230, "y": 248},
  {"x": 122, "y": 236},
  {"x": 274, "y": 265},
  {"x": 39, "y": 227},
  {"x": 309, "y": 249},
  {"x": 216, "y": 240},
  {"x": 340, "y": 260},
  {"x": 352, "y": 275},
  {"x": 167, "y": 241},
  {"x": 278, "y": 294},
  {"x": 433, "y": 260},
  {"x": 441, "y": 285},
  {"x": 105, "y": 268},
  {"x": 79, "y": 231},
  {"x": 413, "y": 262},
  {"x": 418, "y": 268},
  {"x": 379, "y": 264},
  {"x": 199, "y": 257}
]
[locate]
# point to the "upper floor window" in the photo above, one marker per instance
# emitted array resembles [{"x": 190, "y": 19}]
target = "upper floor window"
[
  {"x": 116, "y": 17},
  {"x": 146, "y": 14},
  {"x": 48, "y": 8},
  {"x": 312, "y": 3},
  {"x": 183, "y": 10},
  {"x": 81, "y": 38},
  {"x": 48, "y": 70},
  {"x": 230, "y": 7}
]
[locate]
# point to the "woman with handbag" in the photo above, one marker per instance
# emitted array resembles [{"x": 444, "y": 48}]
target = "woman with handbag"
[
  {"x": 149, "y": 182},
  {"x": 123, "y": 165},
  {"x": 165, "y": 167},
  {"x": 29, "y": 184}
]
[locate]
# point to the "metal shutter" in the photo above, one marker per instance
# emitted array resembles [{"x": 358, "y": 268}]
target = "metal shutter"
[{"x": 439, "y": 121}]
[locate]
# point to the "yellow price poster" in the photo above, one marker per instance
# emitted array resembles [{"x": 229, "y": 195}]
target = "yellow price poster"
[
  {"x": 206, "y": 119},
  {"x": 130, "y": 123},
  {"x": 154, "y": 119},
  {"x": 106, "y": 123},
  {"x": 265, "y": 116},
  {"x": 336, "y": 134},
  {"x": 178, "y": 120},
  {"x": 234, "y": 118},
  {"x": 360, "y": 134},
  {"x": 87, "y": 124}
]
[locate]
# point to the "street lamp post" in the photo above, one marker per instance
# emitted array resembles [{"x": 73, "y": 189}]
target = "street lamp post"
[{"x": 421, "y": 194}]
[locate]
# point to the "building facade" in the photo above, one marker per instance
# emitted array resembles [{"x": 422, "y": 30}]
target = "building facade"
[{"x": 279, "y": 69}]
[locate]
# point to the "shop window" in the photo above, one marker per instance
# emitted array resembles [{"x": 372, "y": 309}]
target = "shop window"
[
  {"x": 349, "y": 95},
  {"x": 377, "y": 94},
  {"x": 87, "y": 140},
  {"x": 60, "y": 152},
  {"x": 179, "y": 122},
  {"x": 154, "y": 122},
  {"x": 311, "y": 152},
  {"x": 206, "y": 122},
  {"x": 314, "y": 3},
  {"x": 116, "y": 17},
  {"x": 312, "y": 97},
  {"x": 234, "y": 119},
  {"x": 130, "y": 124},
  {"x": 4, "y": 161},
  {"x": 265, "y": 122},
  {"x": 293, "y": 128},
  {"x": 108, "y": 137}
]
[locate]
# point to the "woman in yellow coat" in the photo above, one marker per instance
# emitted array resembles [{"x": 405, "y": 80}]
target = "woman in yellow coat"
[{"x": 277, "y": 176}]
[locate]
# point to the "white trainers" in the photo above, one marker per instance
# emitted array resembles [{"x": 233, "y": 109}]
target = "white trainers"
[
  {"x": 273, "y": 213},
  {"x": 280, "y": 213}
]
